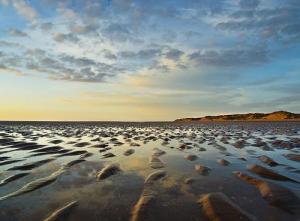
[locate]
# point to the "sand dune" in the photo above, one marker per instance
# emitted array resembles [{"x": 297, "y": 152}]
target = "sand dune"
[{"x": 274, "y": 116}]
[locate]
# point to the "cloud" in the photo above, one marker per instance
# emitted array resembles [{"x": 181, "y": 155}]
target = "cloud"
[
  {"x": 291, "y": 29},
  {"x": 174, "y": 54},
  {"x": 4, "y": 2},
  {"x": 230, "y": 57},
  {"x": 83, "y": 29},
  {"x": 281, "y": 23},
  {"x": 61, "y": 66},
  {"x": 65, "y": 11},
  {"x": 17, "y": 33},
  {"x": 159, "y": 67},
  {"x": 24, "y": 9},
  {"x": 125, "y": 38},
  {"x": 249, "y": 4},
  {"x": 9, "y": 44},
  {"x": 46, "y": 26},
  {"x": 83, "y": 75},
  {"x": 61, "y": 37},
  {"x": 10, "y": 61},
  {"x": 77, "y": 61},
  {"x": 35, "y": 52},
  {"x": 58, "y": 71},
  {"x": 143, "y": 54},
  {"x": 117, "y": 32},
  {"x": 109, "y": 55}
]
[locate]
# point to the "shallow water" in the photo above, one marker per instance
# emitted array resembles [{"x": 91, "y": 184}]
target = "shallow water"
[{"x": 114, "y": 197}]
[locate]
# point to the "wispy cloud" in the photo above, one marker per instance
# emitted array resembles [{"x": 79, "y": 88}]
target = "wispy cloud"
[{"x": 25, "y": 9}]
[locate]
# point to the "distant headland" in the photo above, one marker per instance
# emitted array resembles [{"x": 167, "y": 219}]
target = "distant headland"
[{"x": 274, "y": 116}]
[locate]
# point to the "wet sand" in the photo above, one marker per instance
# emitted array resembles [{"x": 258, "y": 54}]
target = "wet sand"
[{"x": 149, "y": 171}]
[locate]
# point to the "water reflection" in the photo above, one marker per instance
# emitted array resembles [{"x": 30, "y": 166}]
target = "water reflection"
[{"x": 85, "y": 147}]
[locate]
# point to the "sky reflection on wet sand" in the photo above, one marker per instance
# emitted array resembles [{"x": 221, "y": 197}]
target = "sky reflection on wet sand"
[{"x": 114, "y": 197}]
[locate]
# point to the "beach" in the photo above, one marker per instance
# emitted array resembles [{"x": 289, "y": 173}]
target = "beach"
[{"x": 149, "y": 171}]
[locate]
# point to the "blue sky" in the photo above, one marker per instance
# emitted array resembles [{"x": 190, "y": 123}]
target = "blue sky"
[{"x": 147, "y": 60}]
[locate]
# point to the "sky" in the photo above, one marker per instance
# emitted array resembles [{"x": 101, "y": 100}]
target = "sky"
[{"x": 147, "y": 60}]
